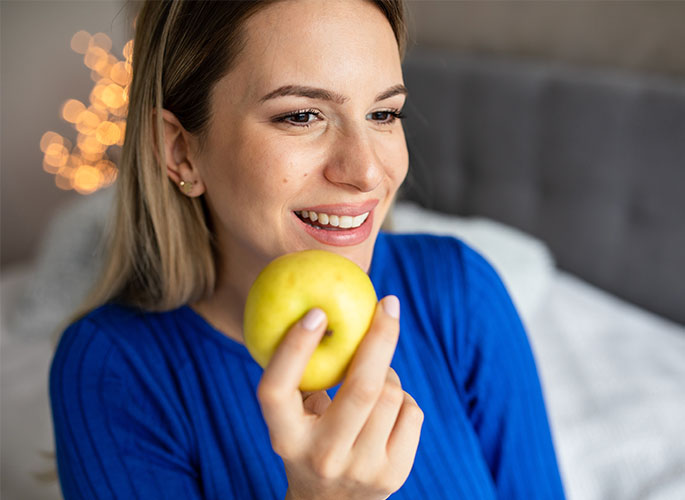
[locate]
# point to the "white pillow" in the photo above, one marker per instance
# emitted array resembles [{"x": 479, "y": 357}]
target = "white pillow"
[{"x": 524, "y": 262}]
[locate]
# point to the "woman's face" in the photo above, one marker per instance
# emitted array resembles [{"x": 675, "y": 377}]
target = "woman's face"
[{"x": 306, "y": 121}]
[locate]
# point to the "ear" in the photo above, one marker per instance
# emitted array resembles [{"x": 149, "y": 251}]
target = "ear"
[{"x": 181, "y": 167}]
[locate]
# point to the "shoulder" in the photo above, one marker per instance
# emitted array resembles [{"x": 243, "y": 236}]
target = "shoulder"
[
  {"x": 106, "y": 324},
  {"x": 89, "y": 342},
  {"x": 116, "y": 358},
  {"x": 88, "y": 365},
  {"x": 111, "y": 340},
  {"x": 115, "y": 390},
  {"x": 445, "y": 280}
]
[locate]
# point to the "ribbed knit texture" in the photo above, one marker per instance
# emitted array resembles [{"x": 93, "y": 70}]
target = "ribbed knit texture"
[{"x": 161, "y": 405}]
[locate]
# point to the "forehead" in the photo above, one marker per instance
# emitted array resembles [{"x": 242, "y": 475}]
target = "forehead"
[{"x": 335, "y": 44}]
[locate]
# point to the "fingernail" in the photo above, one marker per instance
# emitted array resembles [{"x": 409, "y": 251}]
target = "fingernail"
[
  {"x": 313, "y": 319},
  {"x": 391, "y": 305}
]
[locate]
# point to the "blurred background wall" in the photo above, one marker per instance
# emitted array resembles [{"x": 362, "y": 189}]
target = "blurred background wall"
[
  {"x": 39, "y": 71},
  {"x": 636, "y": 35}
]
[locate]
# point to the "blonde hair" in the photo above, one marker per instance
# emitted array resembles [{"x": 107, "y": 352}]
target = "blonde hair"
[{"x": 160, "y": 253}]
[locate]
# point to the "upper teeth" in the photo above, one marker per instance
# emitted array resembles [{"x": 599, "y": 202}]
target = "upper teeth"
[{"x": 342, "y": 221}]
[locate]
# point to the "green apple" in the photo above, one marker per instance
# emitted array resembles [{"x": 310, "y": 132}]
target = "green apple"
[{"x": 294, "y": 283}]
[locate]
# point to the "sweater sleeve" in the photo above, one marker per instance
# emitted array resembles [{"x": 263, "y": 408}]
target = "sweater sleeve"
[
  {"x": 113, "y": 437},
  {"x": 502, "y": 392}
]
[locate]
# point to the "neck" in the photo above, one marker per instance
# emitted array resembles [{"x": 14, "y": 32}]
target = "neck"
[
  {"x": 224, "y": 312},
  {"x": 224, "y": 308}
]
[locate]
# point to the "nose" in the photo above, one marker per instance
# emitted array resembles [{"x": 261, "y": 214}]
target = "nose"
[{"x": 354, "y": 162}]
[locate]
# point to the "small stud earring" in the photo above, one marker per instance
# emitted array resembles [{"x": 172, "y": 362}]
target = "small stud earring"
[{"x": 186, "y": 187}]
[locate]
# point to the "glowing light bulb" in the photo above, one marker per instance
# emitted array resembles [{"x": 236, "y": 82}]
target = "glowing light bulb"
[
  {"x": 75, "y": 158},
  {"x": 128, "y": 50},
  {"x": 101, "y": 40},
  {"x": 95, "y": 57},
  {"x": 80, "y": 42},
  {"x": 48, "y": 138},
  {"x": 108, "y": 133},
  {"x": 90, "y": 145},
  {"x": 72, "y": 109},
  {"x": 56, "y": 155},
  {"x": 113, "y": 96},
  {"x": 120, "y": 74},
  {"x": 95, "y": 98},
  {"x": 87, "y": 179},
  {"x": 63, "y": 178},
  {"x": 87, "y": 122},
  {"x": 102, "y": 114}
]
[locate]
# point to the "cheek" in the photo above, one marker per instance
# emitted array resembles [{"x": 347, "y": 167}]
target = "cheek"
[
  {"x": 402, "y": 161},
  {"x": 280, "y": 165},
  {"x": 395, "y": 158},
  {"x": 276, "y": 171},
  {"x": 258, "y": 170}
]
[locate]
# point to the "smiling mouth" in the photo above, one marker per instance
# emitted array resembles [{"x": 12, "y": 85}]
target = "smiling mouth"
[{"x": 331, "y": 222}]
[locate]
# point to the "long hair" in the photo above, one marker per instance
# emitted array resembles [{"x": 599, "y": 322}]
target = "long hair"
[{"x": 161, "y": 254}]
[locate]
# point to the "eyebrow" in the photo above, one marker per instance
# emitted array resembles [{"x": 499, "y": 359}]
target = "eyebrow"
[
  {"x": 327, "y": 95},
  {"x": 392, "y": 91}
]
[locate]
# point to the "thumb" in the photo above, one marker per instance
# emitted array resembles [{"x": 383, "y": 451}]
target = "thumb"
[{"x": 315, "y": 402}]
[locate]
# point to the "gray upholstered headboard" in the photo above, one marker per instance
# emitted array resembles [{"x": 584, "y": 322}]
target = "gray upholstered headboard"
[{"x": 592, "y": 162}]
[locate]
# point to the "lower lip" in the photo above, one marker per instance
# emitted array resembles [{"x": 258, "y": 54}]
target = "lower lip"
[{"x": 339, "y": 237}]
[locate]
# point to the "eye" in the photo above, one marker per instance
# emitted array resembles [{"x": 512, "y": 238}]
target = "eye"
[
  {"x": 300, "y": 118},
  {"x": 386, "y": 116}
]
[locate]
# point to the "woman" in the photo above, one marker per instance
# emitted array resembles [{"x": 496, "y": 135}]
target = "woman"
[{"x": 252, "y": 127}]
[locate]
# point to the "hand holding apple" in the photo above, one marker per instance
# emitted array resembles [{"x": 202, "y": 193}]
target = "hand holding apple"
[{"x": 360, "y": 445}]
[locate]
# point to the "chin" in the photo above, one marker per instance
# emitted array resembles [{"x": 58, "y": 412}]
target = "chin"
[{"x": 361, "y": 254}]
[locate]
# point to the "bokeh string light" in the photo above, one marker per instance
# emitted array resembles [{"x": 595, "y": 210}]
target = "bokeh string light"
[{"x": 101, "y": 123}]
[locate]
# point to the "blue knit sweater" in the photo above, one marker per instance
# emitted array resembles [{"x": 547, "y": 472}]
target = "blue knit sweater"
[{"x": 161, "y": 405}]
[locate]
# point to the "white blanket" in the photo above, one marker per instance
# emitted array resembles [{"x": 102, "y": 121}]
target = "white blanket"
[{"x": 614, "y": 381}]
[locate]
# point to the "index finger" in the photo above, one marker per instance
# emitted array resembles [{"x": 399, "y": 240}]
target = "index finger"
[
  {"x": 365, "y": 376},
  {"x": 278, "y": 391}
]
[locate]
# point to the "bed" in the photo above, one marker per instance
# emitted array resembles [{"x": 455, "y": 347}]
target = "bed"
[{"x": 507, "y": 156}]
